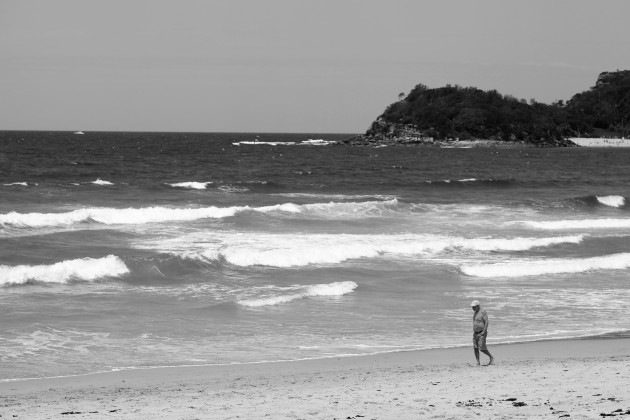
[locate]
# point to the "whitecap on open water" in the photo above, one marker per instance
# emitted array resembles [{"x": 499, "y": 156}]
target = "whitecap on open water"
[{"x": 123, "y": 250}]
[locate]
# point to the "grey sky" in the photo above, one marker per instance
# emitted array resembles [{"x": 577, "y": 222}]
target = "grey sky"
[{"x": 286, "y": 65}]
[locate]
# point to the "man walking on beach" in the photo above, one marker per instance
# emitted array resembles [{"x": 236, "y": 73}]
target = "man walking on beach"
[{"x": 480, "y": 331}]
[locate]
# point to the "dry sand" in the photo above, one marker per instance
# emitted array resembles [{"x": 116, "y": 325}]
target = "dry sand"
[{"x": 577, "y": 379}]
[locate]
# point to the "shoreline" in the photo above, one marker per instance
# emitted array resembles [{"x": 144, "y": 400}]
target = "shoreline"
[
  {"x": 615, "y": 335},
  {"x": 320, "y": 388},
  {"x": 600, "y": 142}
]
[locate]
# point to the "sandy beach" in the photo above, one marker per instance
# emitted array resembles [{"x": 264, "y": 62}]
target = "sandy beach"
[
  {"x": 579, "y": 379},
  {"x": 600, "y": 142}
]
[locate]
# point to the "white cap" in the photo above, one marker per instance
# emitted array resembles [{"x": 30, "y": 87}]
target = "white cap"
[{"x": 475, "y": 303}]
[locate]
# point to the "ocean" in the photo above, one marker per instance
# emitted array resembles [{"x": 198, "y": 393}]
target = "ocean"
[{"x": 139, "y": 250}]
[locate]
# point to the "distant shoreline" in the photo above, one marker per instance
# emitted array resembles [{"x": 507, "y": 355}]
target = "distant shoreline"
[
  {"x": 600, "y": 142},
  {"x": 483, "y": 143}
]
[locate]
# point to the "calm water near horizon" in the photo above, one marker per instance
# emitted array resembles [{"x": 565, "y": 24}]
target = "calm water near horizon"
[{"x": 122, "y": 250}]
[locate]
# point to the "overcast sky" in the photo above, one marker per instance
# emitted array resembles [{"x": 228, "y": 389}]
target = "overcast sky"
[{"x": 286, "y": 65}]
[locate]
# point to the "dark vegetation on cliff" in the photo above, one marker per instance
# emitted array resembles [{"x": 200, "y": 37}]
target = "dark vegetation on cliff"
[{"x": 455, "y": 112}]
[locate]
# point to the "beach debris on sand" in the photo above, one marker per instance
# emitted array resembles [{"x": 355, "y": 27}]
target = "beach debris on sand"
[{"x": 617, "y": 412}]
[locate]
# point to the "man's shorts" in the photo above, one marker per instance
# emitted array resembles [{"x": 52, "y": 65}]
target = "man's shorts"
[{"x": 479, "y": 341}]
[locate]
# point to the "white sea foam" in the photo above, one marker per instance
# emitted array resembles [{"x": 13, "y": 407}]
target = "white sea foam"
[
  {"x": 579, "y": 224},
  {"x": 330, "y": 289},
  {"x": 99, "y": 181},
  {"x": 22, "y": 184},
  {"x": 43, "y": 339},
  {"x": 301, "y": 250},
  {"x": 612, "y": 200},
  {"x": 361, "y": 209},
  {"x": 464, "y": 180},
  {"x": 86, "y": 269},
  {"x": 317, "y": 142},
  {"x": 514, "y": 244},
  {"x": 165, "y": 214},
  {"x": 339, "y": 196},
  {"x": 192, "y": 185},
  {"x": 115, "y": 216},
  {"x": 309, "y": 142},
  {"x": 265, "y": 143},
  {"x": 233, "y": 189},
  {"x": 550, "y": 266}
]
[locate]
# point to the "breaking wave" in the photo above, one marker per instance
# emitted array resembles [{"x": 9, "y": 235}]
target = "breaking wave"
[
  {"x": 338, "y": 196},
  {"x": 592, "y": 201},
  {"x": 612, "y": 200},
  {"x": 472, "y": 182},
  {"x": 235, "y": 187},
  {"x": 284, "y": 251},
  {"x": 112, "y": 216},
  {"x": 99, "y": 181},
  {"x": 21, "y": 184},
  {"x": 579, "y": 224},
  {"x": 192, "y": 185},
  {"x": 317, "y": 142},
  {"x": 551, "y": 266},
  {"x": 84, "y": 269},
  {"x": 264, "y": 143},
  {"x": 309, "y": 142},
  {"x": 300, "y": 292}
]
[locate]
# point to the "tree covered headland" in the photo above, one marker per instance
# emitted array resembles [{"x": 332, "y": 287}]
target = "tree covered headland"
[{"x": 457, "y": 112}]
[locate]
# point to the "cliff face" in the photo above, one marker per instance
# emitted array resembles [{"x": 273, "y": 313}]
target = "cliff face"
[{"x": 430, "y": 116}]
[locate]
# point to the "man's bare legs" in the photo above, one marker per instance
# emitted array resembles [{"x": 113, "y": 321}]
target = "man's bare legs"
[{"x": 487, "y": 353}]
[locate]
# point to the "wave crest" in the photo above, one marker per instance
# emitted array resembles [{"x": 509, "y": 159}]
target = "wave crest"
[
  {"x": 284, "y": 251},
  {"x": 552, "y": 266},
  {"x": 330, "y": 289},
  {"x": 472, "y": 182},
  {"x": 309, "y": 142},
  {"x": 100, "y": 181},
  {"x": 85, "y": 269},
  {"x": 612, "y": 200},
  {"x": 191, "y": 185},
  {"x": 110, "y": 216},
  {"x": 578, "y": 224}
]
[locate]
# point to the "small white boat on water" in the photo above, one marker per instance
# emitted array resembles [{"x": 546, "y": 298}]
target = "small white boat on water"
[{"x": 79, "y": 132}]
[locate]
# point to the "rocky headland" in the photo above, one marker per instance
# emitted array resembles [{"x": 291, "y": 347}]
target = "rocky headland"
[{"x": 455, "y": 116}]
